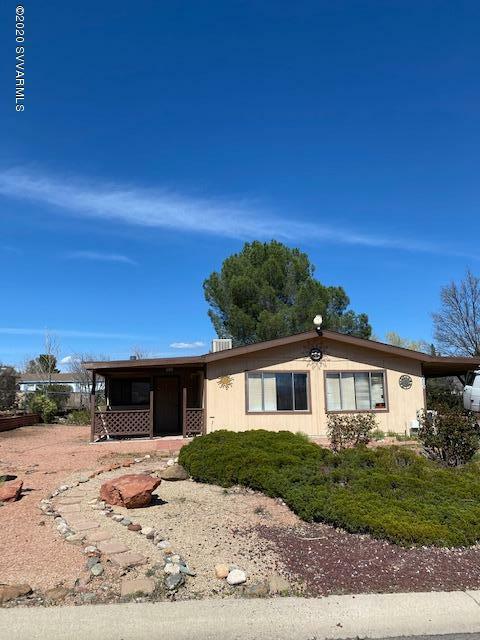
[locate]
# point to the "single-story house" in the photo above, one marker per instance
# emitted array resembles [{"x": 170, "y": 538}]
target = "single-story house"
[{"x": 290, "y": 383}]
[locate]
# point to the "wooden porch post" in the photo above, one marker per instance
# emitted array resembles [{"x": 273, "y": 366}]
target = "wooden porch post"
[
  {"x": 204, "y": 402},
  {"x": 184, "y": 411},
  {"x": 92, "y": 406},
  {"x": 151, "y": 406}
]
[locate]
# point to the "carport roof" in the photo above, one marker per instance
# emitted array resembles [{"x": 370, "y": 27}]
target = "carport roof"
[{"x": 433, "y": 366}]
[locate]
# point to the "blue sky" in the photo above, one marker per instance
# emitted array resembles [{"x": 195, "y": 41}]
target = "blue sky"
[{"x": 158, "y": 136}]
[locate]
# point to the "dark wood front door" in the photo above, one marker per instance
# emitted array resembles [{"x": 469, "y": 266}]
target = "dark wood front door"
[{"x": 167, "y": 407}]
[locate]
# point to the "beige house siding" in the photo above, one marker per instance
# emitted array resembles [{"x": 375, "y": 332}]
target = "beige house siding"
[{"x": 226, "y": 407}]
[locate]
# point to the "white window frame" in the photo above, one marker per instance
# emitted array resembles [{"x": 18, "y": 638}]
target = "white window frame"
[
  {"x": 279, "y": 411},
  {"x": 370, "y": 372}
]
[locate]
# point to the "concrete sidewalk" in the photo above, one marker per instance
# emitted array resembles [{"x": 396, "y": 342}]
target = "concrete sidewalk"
[{"x": 373, "y": 616}]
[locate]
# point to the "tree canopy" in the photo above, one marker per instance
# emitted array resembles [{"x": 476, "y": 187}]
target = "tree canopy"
[
  {"x": 457, "y": 324},
  {"x": 268, "y": 291}
]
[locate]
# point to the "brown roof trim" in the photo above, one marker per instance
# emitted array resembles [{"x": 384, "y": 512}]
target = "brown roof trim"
[{"x": 280, "y": 342}]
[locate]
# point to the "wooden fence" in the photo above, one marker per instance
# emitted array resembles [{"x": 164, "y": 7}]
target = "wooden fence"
[{"x": 13, "y": 422}]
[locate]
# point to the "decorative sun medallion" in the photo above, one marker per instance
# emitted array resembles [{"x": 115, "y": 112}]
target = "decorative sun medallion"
[
  {"x": 405, "y": 382},
  {"x": 225, "y": 382},
  {"x": 316, "y": 354}
]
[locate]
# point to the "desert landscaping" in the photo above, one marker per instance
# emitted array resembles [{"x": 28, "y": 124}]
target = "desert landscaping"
[{"x": 122, "y": 520}]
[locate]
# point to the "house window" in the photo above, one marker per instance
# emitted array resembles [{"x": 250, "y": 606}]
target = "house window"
[
  {"x": 355, "y": 391},
  {"x": 129, "y": 392},
  {"x": 269, "y": 392}
]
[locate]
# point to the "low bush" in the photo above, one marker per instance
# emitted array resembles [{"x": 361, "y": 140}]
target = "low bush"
[
  {"x": 79, "y": 416},
  {"x": 44, "y": 406},
  {"x": 350, "y": 430},
  {"x": 389, "y": 492},
  {"x": 378, "y": 434},
  {"x": 450, "y": 436}
]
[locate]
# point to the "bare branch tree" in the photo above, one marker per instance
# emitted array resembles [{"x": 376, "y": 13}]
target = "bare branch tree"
[
  {"x": 45, "y": 365},
  {"x": 457, "y": 324},
  {"x": 77, "y": 366},
  {"x": 396, "y": 340},
  {"x": 140, "y": 353}
]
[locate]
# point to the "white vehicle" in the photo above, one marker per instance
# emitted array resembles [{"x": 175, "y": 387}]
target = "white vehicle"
[{"x": 471, "y": 391}]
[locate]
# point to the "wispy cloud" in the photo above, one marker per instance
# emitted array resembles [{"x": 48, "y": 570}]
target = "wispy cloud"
[
  {"x": 163, "y": 209},
  {"x": 187, "y": 345},
  {"x": 100, "y": 257},
  {"x": 68, "y": 333}
]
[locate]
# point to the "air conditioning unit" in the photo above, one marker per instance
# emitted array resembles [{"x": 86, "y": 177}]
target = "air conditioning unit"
[{"x": 221, "y": 344}]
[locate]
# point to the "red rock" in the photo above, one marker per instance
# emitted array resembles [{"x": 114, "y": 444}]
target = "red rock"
[
  {"x": 10, "y": 491},
  {"x": 131, "y": 491},
  {"x": 134, "y": 527}
]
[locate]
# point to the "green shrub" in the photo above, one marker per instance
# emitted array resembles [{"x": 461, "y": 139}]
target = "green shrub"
[
  {"x": 79, "y": 416},
  {"x": 44, "y": 406},
  {"x": 378, "y": 434},
  {"x": 350, "y": 430},
  {"x": 390, "y": 492},
  {"x": 451, "y": 436}
]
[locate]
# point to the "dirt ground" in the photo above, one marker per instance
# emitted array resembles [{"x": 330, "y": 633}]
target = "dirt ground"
[{"x": 44, "y": 456}]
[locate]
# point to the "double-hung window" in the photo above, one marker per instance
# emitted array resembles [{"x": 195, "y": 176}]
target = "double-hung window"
[
  {"x": 283, "y": 391},
  {"x": 355, "y": 391}
]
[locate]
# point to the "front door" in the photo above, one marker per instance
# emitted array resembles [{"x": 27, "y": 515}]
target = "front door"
[{"x": 167, "y": 406}]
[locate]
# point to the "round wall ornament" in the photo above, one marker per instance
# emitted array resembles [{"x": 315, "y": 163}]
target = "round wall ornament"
[
  {"x": 405, "y": 382},
  {"x": 316, "y": 354}
]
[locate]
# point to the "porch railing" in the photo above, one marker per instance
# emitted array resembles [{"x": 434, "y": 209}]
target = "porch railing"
[
  {"x": 122, "y": 423},
  {"x": 194, "y": 422}
]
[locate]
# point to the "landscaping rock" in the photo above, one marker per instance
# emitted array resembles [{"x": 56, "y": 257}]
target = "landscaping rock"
[
  {"x": 127, "y": 559},
  {"x": 129, "y": 586},
  {"x": 148, "y": 532},
  {"x": 98, "y": 536},
  {"x": 164, "y": 544},
  {"x": 184, "y": 568},
  {"x": 75, "y": 538},
  {"x": 12, "y": 591},
  {"x": 174, "y": 472},
  {"x": 131, "y": 491},
  {"x": 174, "y": 581},
  {"x": 111, "y": 547},
  {"x": 236, "y": 576},
  {"x": 56, "y": 594},
  {"x": 117, "y": 517},
  {"x": 125, "y": 522},
  {"x": 90, "y": 549},
  {"x": 92, "y": 561},
  {"x": 134, "y": 527},
  {"x": 97, "y": 569},
  {"x": 221, "y": 570},
  {"x": 172, "y": 568},
  {"x": 278, "y": 585},
  {"x": 257, "y": 590},
  {"x": 10, "y": 491}
]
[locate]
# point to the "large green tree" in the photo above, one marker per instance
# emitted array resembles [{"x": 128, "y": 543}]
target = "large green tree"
[{"x": 268, "y": 291}]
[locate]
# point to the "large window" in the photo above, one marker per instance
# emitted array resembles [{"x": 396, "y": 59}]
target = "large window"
[
  {"x": 267, "y": 392},
  {"x": 356, "y": 391}
]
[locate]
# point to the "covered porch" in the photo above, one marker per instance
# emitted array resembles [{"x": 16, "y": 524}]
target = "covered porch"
[{"x": 147, "y": 401}]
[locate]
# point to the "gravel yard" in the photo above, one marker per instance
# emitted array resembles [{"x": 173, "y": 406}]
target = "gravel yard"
[{"x": 206, "y": 525}]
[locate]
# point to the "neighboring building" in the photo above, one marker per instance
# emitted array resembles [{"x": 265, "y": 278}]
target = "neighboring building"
[
  {"x": 78, "y": 396},
  {"x": 291, "y": 383}
]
